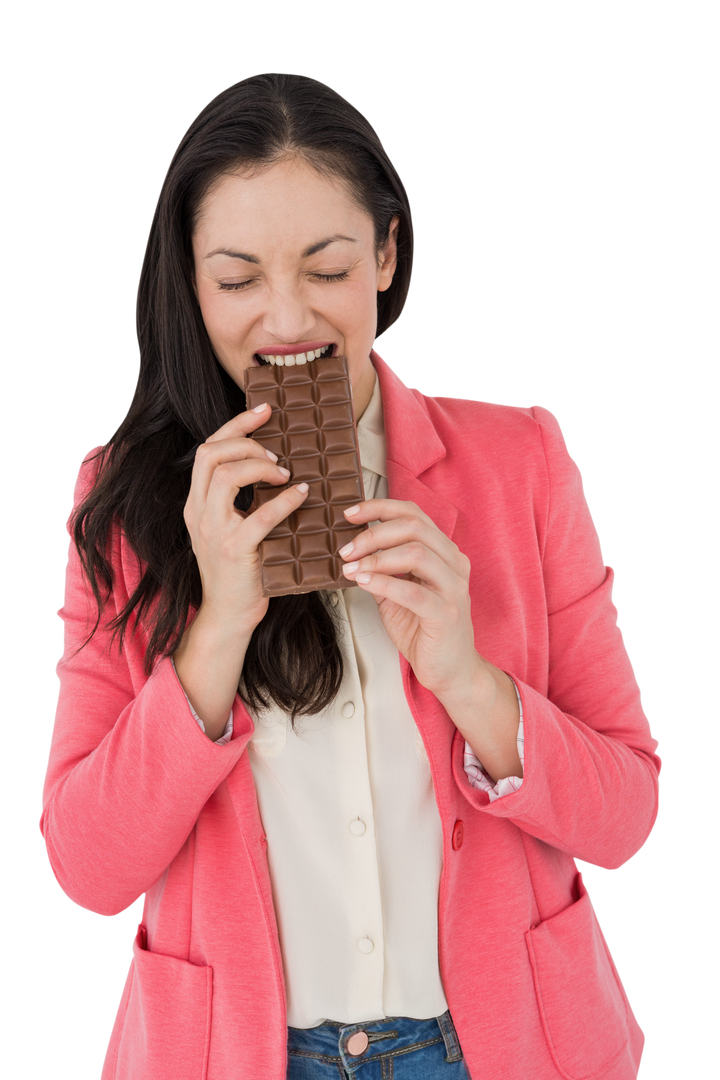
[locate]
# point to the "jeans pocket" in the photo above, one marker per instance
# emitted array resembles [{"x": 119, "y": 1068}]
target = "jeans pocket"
[
  {"x": 166, "y": 1027},
  {"x": 582, "y": 1003}
]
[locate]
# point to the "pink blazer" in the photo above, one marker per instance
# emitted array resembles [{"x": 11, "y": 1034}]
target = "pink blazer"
[{"x": 138, "y": 800}]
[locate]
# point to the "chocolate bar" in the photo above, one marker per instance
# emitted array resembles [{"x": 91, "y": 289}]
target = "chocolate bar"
[{"x": 312, "y": 431}]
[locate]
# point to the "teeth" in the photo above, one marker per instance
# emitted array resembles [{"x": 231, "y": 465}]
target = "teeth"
[{"x": 297, "y": 358}]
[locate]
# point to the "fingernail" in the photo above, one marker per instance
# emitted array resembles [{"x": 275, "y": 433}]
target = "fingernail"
[
  {"x": 302, "y": 488},
  {"x": 363, "y": 579},
  {"x": 352, "y": 510},
  {"x": 285, "y": 472},
  {"x": 261, "y": 408},
  {"x": 273, "y": 457},
  {"x": 351, "y": 567},
  {"x": 345, "y": 551}
]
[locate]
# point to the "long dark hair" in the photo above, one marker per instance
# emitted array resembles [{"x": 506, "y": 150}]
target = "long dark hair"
[{"x": 183, "y": 394}]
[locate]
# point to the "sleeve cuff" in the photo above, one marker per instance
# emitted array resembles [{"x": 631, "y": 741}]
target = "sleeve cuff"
[
  {"x": 474, "y": 770},
  {"x": 477, "y": 776},
  {"x": 227, "y": 733}
]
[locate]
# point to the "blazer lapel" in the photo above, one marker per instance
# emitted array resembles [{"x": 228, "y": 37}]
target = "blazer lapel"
[{"x": 413, "y": 446}]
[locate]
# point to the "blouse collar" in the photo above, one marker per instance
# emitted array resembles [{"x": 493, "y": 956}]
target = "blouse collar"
[{"x": 371, "y": 434}]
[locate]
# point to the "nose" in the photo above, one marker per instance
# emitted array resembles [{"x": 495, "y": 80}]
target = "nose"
[{"x": 288, "y": 316}]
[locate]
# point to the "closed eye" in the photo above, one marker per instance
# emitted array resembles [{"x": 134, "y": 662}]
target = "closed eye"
[{"x": 237, "y": 285}]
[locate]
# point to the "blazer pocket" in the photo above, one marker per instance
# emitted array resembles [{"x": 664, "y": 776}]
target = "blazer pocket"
[
  {"x": 166, "y": 1028},
  {"x": 582, "y": 1003}
]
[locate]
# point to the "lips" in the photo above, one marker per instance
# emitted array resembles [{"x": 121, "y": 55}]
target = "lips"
[{"x": 276, "y": 349}]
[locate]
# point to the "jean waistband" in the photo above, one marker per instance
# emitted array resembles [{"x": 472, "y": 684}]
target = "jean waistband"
[{"x": 452, "y": 1047}]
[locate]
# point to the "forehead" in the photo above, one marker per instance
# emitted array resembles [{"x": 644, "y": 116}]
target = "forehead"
[{"x": 289, "y": 203}]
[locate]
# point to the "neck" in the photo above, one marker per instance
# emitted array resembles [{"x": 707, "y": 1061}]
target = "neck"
[{"x": 363, "y": 389}]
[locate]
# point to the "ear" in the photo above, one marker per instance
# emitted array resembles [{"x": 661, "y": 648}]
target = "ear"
[{"x": 388, "y": 257}]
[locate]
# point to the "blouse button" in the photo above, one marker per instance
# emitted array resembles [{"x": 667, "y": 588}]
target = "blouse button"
[
  {"x": 357, "y": 827},
  {"x": 365, "y": 945},
  {"x": 348, "y": 709}
]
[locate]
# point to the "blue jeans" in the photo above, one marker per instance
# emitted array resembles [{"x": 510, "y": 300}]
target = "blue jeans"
[{"x": 396, "y": 1048}]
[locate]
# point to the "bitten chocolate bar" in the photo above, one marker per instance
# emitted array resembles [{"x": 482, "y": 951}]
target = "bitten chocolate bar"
[{"x": 312, "y": 431}]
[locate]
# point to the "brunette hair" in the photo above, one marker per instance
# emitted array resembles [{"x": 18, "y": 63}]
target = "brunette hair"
[{"x": 183, "y": 394}]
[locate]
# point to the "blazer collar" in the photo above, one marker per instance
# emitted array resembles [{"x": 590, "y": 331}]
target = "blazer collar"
[
  {"x": 412, "y": 441},
  {"x": 413, "y": 445}
]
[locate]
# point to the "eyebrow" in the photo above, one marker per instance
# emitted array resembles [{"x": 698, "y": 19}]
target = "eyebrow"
[{"x": 312, "y": 250}]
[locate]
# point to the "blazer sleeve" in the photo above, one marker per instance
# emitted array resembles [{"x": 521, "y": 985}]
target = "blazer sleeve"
[
  {"x": 590, "y": 777},
  {"x": 129, "y": 768}
]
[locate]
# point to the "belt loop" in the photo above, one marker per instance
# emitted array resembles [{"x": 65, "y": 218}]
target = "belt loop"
[{"x": 449, "y": 1034}]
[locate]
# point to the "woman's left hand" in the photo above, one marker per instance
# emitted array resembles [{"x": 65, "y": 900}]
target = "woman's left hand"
[{"x": 426, "y": 610}]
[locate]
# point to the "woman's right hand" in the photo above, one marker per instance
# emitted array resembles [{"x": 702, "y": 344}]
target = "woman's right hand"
[{"x": 225, "y": 540}]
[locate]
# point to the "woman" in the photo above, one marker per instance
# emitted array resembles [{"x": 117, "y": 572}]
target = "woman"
[{"x": 353, "y": 814}]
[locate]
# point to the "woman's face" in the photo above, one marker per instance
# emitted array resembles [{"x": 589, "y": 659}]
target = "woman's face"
[{"x": 285, "y": 264}]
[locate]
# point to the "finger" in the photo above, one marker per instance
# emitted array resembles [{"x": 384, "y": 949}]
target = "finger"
[
  {"x": 413, "y": 558},
  {"x": 257, "y": 525},
  {"x": 383, "y": 510},
  {"x": 243, "y": 424},
  {"x": 409, "y": 527},
  {"x": 209, "y": 456},
  {"x": 408, "y": 594},
  {"x": 226, "y": 481}
]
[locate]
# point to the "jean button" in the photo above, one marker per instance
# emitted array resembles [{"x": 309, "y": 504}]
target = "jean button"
[{"x": 358, "y": 1043}]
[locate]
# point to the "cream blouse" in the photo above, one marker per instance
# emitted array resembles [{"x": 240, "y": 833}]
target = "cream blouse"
[{"x": 353, "y": 830}]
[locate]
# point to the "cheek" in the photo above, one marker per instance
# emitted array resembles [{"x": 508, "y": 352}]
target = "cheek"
[
  {"x": 221, "y": 321},
  {"x": 357, "y": 308}
]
